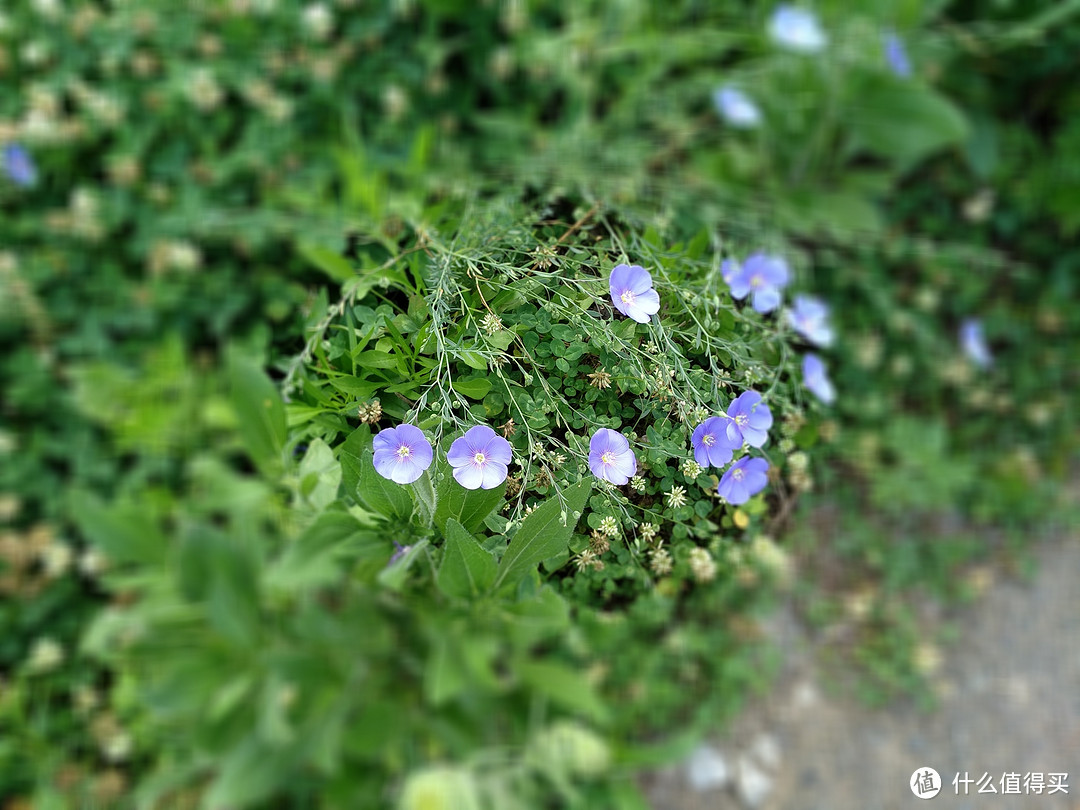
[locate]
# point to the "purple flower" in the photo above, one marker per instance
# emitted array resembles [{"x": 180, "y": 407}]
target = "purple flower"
[
  {"x": 761, "y": 274},
  {"x": 797, "y": 29},
  {"x": 399, "y": 552},
  {"x": 816, "y": 379},
  {"x": 736, "y": 108},
  {"x": 19, "y": 166},
  {"x": 746, "y": 478},
  {"x": 810, "y": 318},
  {"x": 896, "y": 55},
  {"x": 401, "y": 454},
  {"x": 974, "y": 344},
  {"x": 610, "y": 456},
  {"x": 632, "y": 292},
  {"x": 749, "y": 420},
  {"x": 480, "y": 458},
  {"x": 712, "y": 446}
]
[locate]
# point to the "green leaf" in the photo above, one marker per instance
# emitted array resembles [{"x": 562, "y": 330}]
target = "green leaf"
[
  {"x": 473, "y": 359},
  {"x": 468, "y": 507},
  {"x": 376, "y": 359},
  {"x": 902, "y": 119},
  {"x": 374, "y": 492},
  {"x": 123, "y": 531},
  {"x": 543, "y": 534},
  {"x": 467, "y": 569},
  {"x": 315, "y": 558},
  {"x": 355, "y": 387},
  {"x": 320, "y": 474},
  {"x": 565, "y": 686},
  {"x": 474, "y": 389},
  {"x": 248, "y": 773},
  {"x": 393, "y": 576},
  {"x": 445, "y": 675},
  {"x": 260, "y": 413},
  {"x": 336, "y": 266}
]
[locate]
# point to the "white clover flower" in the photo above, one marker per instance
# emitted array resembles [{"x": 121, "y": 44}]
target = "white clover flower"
[
  {"x": 56, "y": 559},
  {"x": 660, "y": 562},
  {"x": 609, "y": 526},
  {"x": 318, "y": 20},
  {"x": 690, "y": 468},
  {"x": 637, "y": 483},
  {"x": 676, "y": 497},
  {"x": 45, "y": 655},
  {"x": 702, "y": 565}
]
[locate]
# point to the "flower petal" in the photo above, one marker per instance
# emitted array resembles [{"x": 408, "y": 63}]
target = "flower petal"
[
  {"x": 492, "y": 474},
  {"x": 766, "y": 299},
  {"x": 384, "y": 461},
  {"x": 499, "y": 450},
  {"x": 470, "y": 476},
  {"x": 459, "y": 454},
  {"x": 648, "y": 301},
  {"x": 640, "y": 281},
  {"x": 406, "y": 471}
]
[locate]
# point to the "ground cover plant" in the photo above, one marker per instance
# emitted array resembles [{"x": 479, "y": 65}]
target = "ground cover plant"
[{"x": 408, "y": 220}]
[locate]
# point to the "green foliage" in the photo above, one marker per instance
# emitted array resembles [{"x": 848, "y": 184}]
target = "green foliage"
[{"x": 203, "y": 592}]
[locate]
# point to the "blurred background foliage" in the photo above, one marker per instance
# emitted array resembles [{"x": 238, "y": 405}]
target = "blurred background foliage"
[{"x": 209, "y": 182}]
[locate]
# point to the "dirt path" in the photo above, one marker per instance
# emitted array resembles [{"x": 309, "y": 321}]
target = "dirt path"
[{"x": 1010, "y": 704}]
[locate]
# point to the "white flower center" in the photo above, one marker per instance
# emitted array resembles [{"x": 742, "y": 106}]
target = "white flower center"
[
  {"x": 709, "y": 440},
  {"x": 479, "y": 458},
  {"x": 627, "y": 297},
  {"x": 737, "y": 474},
  {"x": 607, "y": 458},
  {"x": 756, "y": 280},
  {"x": 742, "y": 420},
  {"x": 404, "y": 452}
]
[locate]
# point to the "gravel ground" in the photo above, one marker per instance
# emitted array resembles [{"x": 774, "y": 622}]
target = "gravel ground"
[{"x": 1010, "y": 703}]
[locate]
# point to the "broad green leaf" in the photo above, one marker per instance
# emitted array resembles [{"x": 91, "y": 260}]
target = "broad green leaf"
[
  {"x": 315, "y": 557},
  {"x": 376, "y": 359},
  {"x": 467, "y": 506},
  {"x": 474, "y": 389},
  {"x": 565, "y": 686},
  {"x": 473, "y": 359},
  {"x": 336, "y": 266},
  {"x": 355, "y": 387},
  {"x": 467, "y": 570},
  {"x": 444, "y": 676},
  {"x": 248, "y": 773},
  {"x": 376, "y": 493},
  {"x": 902, "y": 119},
  {"x": 260, "y": 413},
  {"x": 543, "y": 534},
  {"x": 393, "y": 576},
  {"x": 123, "y": 531},
  {"x": 320, "y": 474}
]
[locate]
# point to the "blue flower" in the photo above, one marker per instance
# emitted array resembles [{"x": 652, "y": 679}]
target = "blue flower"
[
  {"x": 749, "y": 420},
  {"x": 401, "y": 454},
  {"x": 480, "y": 458},
  {"x": 896, "y": 55},
  {"x": 610, "y": 457},
  {"x": 797, "y": 29},
  {"x": 810, "y": 318},
  {"x": 746, "y": 478},
  {"x": 761, "y": 274},
  {"x": 632, "y": 292},
  {"x": 816, "y": 379},
  {"x": 19, "y": 166},
  {"x": 736, "y": 108},
  {"x": 712, "y": 446},
  {"x": 974, "y": 344}
]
